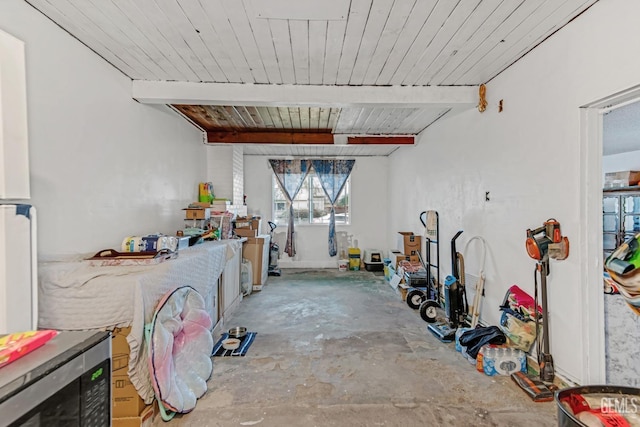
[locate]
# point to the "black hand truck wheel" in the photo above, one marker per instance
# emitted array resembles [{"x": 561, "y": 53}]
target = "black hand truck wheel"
[
  {"x": 429, "y": 310},
  {"x": 415, "y": 298}
]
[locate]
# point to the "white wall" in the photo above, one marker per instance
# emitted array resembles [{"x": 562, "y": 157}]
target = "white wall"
[
  {"x": 102, "y": 166},
  {"x": 369, "y": 195},
  {"x": 621, "y": 162},
  {"x": 528, "y": 158},
  {"x": 220, "y": 170}
]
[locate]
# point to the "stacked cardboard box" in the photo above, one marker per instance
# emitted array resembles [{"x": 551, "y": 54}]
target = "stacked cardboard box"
[
  {"x": 249, "y": 223},
  {"x": 410, "y": 244},
  {"x": 145, "y": 419},
  {"x": 128, "y": 408},
  {"x": 246, "y": 232}
]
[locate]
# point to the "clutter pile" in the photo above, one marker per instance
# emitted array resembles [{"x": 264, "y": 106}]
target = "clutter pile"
[
  {"x": 518, "y": 320},
  {"x": 501, "y": 349},
  {"x": 623, "y": 268}
]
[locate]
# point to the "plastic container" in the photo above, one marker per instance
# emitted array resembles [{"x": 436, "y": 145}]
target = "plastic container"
[
  {"x": 132, "y": 244},
  {"x": 480, "y": 360},
  {"x": 354, "y": 259},
  {"x": 158, "y": 242},
  {"x": 343, "y": 265},
  {"x": 246, "y": 277},
  {"x": 503, "y": 361},
  {"x": 458, "y": 334},
  {"x": 619, "y": 399}
]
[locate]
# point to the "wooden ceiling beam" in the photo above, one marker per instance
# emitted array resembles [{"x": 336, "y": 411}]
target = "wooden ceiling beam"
[
  {"x": 380, "y": 140},
  {"x": 234, "y": 137}
]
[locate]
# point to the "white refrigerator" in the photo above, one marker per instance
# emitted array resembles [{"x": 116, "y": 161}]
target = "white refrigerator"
[
  {"x": 18, "y": 275},
  {"x": 18, "y": 268}
]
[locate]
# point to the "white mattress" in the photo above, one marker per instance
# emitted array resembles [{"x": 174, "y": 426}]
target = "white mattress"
[{"x": 76, "y": 296}]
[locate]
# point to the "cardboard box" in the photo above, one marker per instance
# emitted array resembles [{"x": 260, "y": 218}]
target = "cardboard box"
[
  {"x": 412, "y": 249},
  {"x": 145, "y": 419},
  {"x": 246, "y": 232},
  {"x": 254, "y": 250},
  {"x": 409, "y": 243},
  {"x": 126, "y": 402},
  {"x": 621, "y": 179},
  {"x": 404, "y": 236},
  {"x": 403, "y": 289},
  {"x": 197, "y": 213},
  {"x": 254, "y": 223}
]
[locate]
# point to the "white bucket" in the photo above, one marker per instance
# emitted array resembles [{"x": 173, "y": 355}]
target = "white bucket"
[{"x": 343, "y": 265}]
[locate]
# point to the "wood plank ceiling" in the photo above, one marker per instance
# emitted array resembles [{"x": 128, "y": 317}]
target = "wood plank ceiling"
[{"x": 347, "y": 43}]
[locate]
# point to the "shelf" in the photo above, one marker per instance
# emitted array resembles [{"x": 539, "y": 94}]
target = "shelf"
[
  {"x": 619, "y": 224},
  {"x": 621, "y": 189}
]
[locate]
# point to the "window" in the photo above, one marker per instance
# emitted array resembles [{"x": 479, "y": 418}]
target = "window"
[{"x": 311, "y": 205}]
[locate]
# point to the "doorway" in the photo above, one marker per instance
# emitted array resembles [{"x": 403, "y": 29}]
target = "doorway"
[
  {"x": 621, "y": 152},
  {"x": 591, "y": 229}
]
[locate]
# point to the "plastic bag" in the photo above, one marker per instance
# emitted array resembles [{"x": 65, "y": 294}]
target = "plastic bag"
[{"x": 521, "y": 334}]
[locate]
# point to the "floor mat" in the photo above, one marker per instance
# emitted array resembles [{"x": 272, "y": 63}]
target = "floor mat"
[{"x": 245, "y": 343}]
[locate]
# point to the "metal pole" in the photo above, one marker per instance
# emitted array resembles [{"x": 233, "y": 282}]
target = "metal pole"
[
  {"x": 545, "y": 360},
  {"x": 545, "y": 321}
]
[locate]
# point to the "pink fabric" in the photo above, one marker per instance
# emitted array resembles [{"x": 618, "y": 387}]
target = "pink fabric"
[
  {"x": 520, "y": 298},
  {"x": 180, "y": 349}
]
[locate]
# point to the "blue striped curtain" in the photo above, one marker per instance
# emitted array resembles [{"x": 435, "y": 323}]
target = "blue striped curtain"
[
  {"x": 333, "y": 175},
  {"x": 290, "y": 175}
]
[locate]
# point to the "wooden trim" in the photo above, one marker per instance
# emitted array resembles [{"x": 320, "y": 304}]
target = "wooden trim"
[
  {"x": 380, "y": 140},
  {"x": 270, "y": 137}
]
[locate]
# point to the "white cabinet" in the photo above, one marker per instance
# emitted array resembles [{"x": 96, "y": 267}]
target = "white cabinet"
[
  {"x": 229, "y": 294},
  {"x": 14, "y": 148}
]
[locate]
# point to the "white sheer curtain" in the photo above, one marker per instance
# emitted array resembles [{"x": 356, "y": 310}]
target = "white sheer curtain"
[{"x": 290, "y": 175}]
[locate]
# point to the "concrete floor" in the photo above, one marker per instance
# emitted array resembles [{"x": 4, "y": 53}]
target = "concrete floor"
[{"x": 342, "y": 349}]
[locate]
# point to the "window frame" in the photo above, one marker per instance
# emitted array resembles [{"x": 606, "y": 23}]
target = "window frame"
[{"x": 275, "y": 186}]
